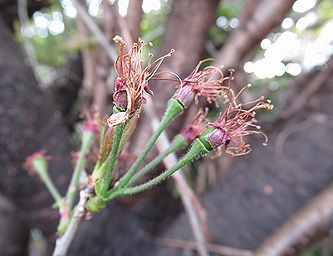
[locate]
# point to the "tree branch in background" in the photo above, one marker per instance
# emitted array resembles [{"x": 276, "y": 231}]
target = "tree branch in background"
[
  {"x": 88, "y": 60},
  {"x": 95, "y": 30},
  {"x": 133, "y": 17},
  {"x": 301, "y": 228},
  {"x": 27, "y": 43},
  {"x": 254, "y": 26},
  {"x": 104, "y": 63}
]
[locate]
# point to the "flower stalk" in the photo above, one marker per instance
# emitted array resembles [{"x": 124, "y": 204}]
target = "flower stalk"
[
  {"x": 197, "y": 150},
  {"x": 38, "y": 163},
  {"x": 174, "y": 109},
  {"x": 178, "y": 143},
  {"x": 87, "y": 140}
]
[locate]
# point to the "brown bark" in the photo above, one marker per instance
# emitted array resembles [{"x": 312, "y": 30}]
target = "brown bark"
[
  {"x": 253, "y": 28},
  {"x": 133, "y": 18},
  {"x": 89, "y": 63}
]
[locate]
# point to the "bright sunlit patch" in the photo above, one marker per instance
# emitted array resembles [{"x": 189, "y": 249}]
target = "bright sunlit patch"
[
  {"x": 40, "y": 20},
  {"x": 94, "y": 7},
  {"x": 285, "y": 47},
  {"x": 69, "y": 9},
  {"x": 306, "y": 21},
  {"x": 266, "y": 68},
  {"x": 302, "y": 6},
  {"x": 151, "y": 5},
  {"x": 317, "y": 52},
  {"x": 293, "y": 69},
  {"x": 56, "y": 27},
  {"x": 249, "y": 67},
  {"x": 234, "y": 23},
  {"x": 122, "y": 6},
  {"x": 265, "y": 43},
  {"x": 287, "y": 23},
  {"x": 222, "y": 22}
]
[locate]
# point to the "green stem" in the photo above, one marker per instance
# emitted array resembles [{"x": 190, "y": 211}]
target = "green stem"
[
  {"x": 87, "y": 139},
  {"x": 105, "y": 171},
  {"x": 50, "y": 187},
  {"x": 196, "y": 151},
  {"x": 174, "y": 109},
  {"x": 178, "y": 143}
]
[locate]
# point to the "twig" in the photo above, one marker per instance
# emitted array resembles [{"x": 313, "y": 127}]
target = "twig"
[
  {"x": 213, "y": 248},
  {"x": 88, "y": 60},
  {"x": 63, "y": 242},
  {"x": 315, "y": 216},
  {"x": 28, "y": 46},
  {"x": 195, "y": 212},
  {"x": 100, "y": 37}
]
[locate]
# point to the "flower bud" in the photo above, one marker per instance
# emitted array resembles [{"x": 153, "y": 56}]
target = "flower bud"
[
  {"x": 184, "y": 95},
  {"x": 217, "y": 138}
]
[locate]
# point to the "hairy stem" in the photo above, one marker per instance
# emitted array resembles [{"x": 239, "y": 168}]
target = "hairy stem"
[
  {"x": 178, "y": 143},
  {"x": 87, "y": 139},
  {"x": 197, "y": 150},
  {"x": 174, "y": 109},
  {"x": 51, "y": 187}
]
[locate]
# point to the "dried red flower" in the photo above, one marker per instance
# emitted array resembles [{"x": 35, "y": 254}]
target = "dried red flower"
[
  {"x": 206, "y": 82},
  {"x": 196, "y": 127},
  {"x": 235, "y": 123},
  {"x": 132, "y": 80},
  {"x": 31, "y": 159}
]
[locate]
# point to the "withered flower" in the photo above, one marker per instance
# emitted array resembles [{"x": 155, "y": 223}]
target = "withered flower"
[
  {"x": 132, "y": 80},
  {"x": 196, "y": 127},
  {"x": 206, "y": 82},
  {"x": 234, "y": 124}
]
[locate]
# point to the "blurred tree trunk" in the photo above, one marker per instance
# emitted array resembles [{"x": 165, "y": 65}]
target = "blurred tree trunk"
[{"x": 133, "y": 17}]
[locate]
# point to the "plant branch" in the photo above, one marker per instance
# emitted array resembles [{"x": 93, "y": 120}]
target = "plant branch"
[
  {"x": 100, "y": 37},
  {"x": 87, "y": 139},
  {"x": 63, "y": 242},
  {"x": 315, "y": 216}
]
